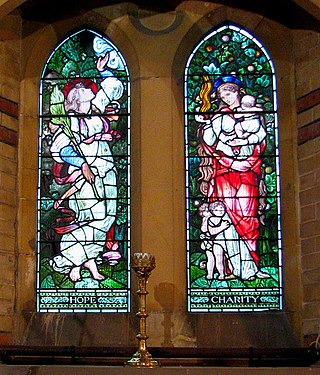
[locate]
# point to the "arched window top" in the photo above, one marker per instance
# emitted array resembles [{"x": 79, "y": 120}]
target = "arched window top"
[
  {"x": 83, "y": 234},
  {"x": 241, "y": 44},
  {"x": 88, "y": 55},
  {"x": 232, "y": 175},
  {"x": 231, "y": 50},
  {"x": 76, "y": 56}
]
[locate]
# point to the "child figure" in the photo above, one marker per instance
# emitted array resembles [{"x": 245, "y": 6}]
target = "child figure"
[
  {"x": 248, "y": 120},
  {"x": 212, "y": 224}
]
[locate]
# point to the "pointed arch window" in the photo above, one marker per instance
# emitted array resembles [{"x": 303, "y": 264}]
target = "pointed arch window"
[
  {"x": 232, "y": 175},
  {"x": 83, "y": 231}
]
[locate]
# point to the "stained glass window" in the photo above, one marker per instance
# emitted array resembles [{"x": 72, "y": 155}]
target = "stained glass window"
[
  {"x": 83, "y": 230},
  {"x": 232, "y": 175}
]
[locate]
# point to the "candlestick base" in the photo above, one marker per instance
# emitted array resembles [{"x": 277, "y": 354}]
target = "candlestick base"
[{"x": 142, "y": 359}]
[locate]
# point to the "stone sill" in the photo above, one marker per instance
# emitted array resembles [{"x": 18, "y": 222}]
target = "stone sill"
[{"x": 167, "y": 357}]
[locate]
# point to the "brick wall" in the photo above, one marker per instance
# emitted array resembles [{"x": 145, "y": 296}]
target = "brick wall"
[
  {"x": 307, "y": 68},
  {"x": 9, "y": 98}
]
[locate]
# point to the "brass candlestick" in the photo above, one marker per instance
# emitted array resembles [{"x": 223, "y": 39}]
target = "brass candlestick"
[{"x": 142, "y": 264}]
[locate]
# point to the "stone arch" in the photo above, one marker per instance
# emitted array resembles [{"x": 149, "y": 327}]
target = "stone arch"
[
  {"x": 37, "y": 47},
  {"x": 269, "y": 33}
]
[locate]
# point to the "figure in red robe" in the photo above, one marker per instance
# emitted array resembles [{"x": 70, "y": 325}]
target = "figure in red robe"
[{"x": 231, "y": 171}]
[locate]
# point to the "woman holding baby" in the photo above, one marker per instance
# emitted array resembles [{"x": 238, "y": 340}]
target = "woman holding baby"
[{"x": 231, "y": 142}]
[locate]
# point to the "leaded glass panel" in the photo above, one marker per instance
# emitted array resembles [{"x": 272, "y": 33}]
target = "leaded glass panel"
[
  {"x": 83, "y": 232},
  {"x": 232, "y": 175}
]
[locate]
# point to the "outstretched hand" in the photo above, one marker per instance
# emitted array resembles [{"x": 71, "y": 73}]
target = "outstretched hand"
[{"x": 102, "y": 61}]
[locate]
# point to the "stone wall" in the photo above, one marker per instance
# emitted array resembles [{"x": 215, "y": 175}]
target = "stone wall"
[
  {"x": 158, "y": 190},
  {"x": 307, "y": 68},
  {"x": 9, "y": 124},
  {"x": 158, "y": 206}
]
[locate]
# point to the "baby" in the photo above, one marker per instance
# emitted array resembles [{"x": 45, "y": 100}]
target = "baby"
[{"x": 245, "y": 127}]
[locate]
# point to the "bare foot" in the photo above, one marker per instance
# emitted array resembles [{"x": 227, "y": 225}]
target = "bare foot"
[
  {"x": 75, "y": 274},
  {"x": 92, "y": 267},
  {"x": 262, "y": 275},
  {"x": 221, "y": 277}
]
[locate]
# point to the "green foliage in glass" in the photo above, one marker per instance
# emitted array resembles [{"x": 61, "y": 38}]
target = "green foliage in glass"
[{"x": 231, "y": 52}]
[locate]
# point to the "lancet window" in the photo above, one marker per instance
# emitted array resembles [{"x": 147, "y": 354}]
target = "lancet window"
[
  {"x": 83, "y": 214},
  {"x": 232, "y": 175}
]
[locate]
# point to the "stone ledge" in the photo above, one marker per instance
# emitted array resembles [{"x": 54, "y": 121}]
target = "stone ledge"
[
  {"x": 117, "y": 370},
  {"x": 178, "y": 357}
]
